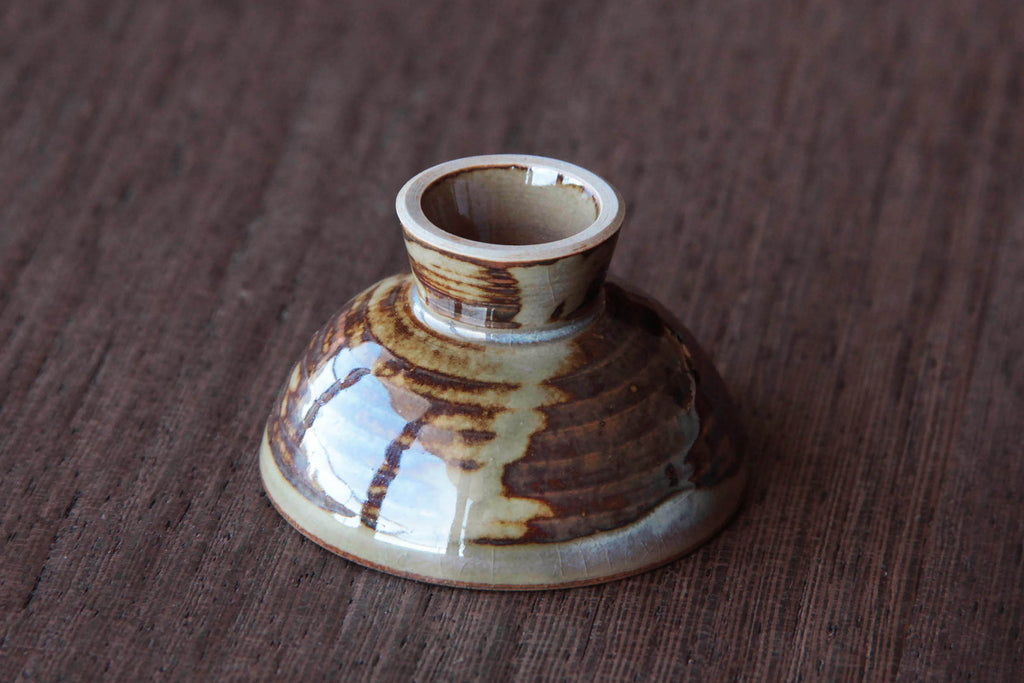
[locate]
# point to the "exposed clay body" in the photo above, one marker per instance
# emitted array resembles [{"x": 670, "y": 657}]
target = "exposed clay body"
[{"x": 502, "y": 418}]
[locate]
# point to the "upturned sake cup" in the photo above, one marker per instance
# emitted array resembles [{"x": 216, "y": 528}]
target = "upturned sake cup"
[{"x": 502, "y": 417}]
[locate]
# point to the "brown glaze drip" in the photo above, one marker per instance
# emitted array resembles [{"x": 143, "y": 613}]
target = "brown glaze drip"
[
  {"x": 495, "y": 293},
  {"x": 321, "y": 400},
  {"x": 487, "y": 293},
  {"x": 613, "y": 449},
  {"x": 386, "y": 473}
]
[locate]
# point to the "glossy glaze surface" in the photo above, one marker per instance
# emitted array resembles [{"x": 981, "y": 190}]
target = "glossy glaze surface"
[{"x": 505, "y": 423}]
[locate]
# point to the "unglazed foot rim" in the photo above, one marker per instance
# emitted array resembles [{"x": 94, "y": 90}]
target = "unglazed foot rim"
[{"x": 676, "y": 528}]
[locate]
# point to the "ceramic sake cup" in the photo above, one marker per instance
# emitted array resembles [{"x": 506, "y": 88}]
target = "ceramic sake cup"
[{"x": 502, "y": 417}]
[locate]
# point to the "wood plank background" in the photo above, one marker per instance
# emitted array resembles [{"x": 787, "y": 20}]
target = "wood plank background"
[{"x": 830, "y": 194}]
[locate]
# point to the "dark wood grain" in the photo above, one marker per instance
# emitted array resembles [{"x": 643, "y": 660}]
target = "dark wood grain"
[{"x": 831, "y": 195}]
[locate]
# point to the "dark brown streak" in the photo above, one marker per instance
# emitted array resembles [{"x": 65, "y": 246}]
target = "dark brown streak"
[
  {"x": 498, "y": 293},
  {"x": 476, "y": 436},
  {"x": 427, "y": 377},
  {"x": 291, "y": 459},
  {"x": 332, "y": 391},
  {"x": 387, "y": 471},
  {"x": 468, "y": 465}
]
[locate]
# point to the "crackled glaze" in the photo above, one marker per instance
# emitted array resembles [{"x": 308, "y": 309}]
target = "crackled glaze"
[{"x": 502, "y": 417}]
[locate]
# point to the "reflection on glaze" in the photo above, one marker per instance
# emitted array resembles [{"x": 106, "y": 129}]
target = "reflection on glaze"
[
  {"x": 534, "y": 442},
  {"x": 358, "y": 446}
]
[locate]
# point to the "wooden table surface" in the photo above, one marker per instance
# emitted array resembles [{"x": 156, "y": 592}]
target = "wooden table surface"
[{"x": 831, "y": 195}]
